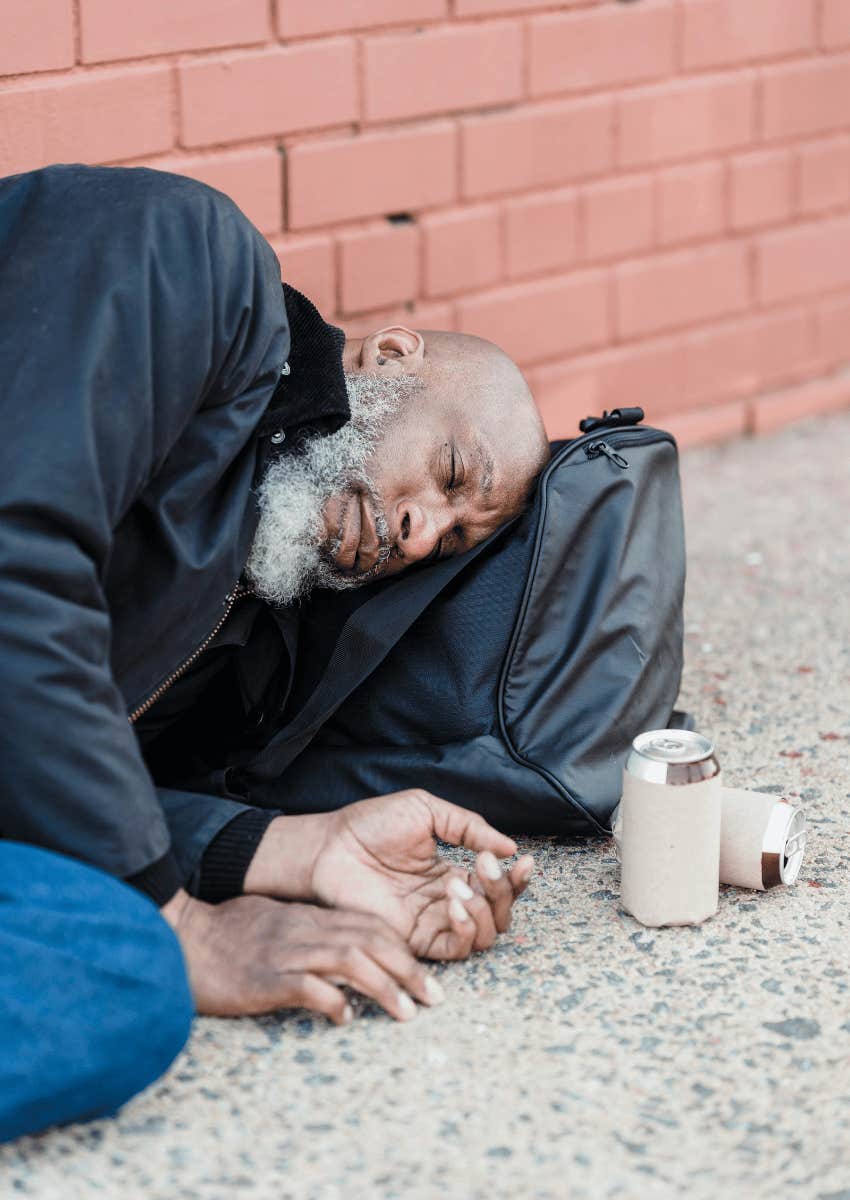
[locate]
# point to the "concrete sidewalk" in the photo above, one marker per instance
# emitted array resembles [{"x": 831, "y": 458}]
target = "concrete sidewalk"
[{"x": 584, "y": 1057}]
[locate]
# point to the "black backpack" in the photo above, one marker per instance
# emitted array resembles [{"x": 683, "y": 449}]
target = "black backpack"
[{"x": 510, "y": 680}]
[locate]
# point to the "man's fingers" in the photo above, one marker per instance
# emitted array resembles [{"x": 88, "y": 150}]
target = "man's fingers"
[
  {"x": 378, "y": 963},
  {"x": 393, "y": 954},
  {"x": 460, "y": 827},
  {"x": 476, "y": 904},
  {"x": 457, "y": 941},
  {"x": 355, "y": 968},
  {"x": 305, "y": 990},
  {"x": 497, "y": 888},
  {"x": 520, "y": 873}
]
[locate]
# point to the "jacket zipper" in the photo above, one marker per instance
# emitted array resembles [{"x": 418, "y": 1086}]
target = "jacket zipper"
[{"x": 238, "y": 592}]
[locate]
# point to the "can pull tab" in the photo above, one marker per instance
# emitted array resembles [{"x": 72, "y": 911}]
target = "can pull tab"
[{"x": 597, "y": 448}]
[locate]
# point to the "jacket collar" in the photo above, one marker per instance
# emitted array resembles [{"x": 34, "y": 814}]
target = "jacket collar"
[{"x": 312, "y": 397}]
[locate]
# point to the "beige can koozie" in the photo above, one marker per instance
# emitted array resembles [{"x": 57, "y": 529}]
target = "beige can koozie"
[
  {"x": 670, "y": 829},
  {"x": 670, "y": 851}
]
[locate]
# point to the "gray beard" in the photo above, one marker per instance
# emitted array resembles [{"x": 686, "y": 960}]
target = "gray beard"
[{"x": 288, "y": 557}]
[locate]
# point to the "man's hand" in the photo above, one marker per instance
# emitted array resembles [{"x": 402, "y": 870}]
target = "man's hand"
[
  {"x": 254, "y": 955},
  {"x": 379, "y": 856}
]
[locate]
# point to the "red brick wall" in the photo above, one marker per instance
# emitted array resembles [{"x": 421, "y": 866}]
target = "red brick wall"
[{"x": 643, "y": 202}]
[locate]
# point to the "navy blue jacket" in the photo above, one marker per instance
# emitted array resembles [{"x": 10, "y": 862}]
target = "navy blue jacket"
[{"x": 143, "y": 333}]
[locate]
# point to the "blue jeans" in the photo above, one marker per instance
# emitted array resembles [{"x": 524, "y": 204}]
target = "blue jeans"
[{"x": 94, "y": 999}]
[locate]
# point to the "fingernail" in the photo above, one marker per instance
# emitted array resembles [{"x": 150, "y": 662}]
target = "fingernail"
[
  {"x": 491, "y": 867},
  {"x": 406, "y": 1007},
  {"x": 347, "y": 1015},
  {"x": 460, "y": 889},
  {"x": 458, "y": 911},
  {"x": 433, "y": 991},
  {"x": 526, "y": 869}
]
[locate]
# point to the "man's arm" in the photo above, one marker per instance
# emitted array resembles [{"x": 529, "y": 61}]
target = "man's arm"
[{"x": 108, "y": 347}]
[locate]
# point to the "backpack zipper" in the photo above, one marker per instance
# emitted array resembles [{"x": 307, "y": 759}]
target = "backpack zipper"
[
  {"x": 238, "y": 592},
  {"x": 597, "y": 448}
]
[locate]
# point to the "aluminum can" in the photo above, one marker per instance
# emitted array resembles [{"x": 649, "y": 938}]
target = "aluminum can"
[
  {"x": 670, "y": 840},
  {"x": 762, "y": 840}
]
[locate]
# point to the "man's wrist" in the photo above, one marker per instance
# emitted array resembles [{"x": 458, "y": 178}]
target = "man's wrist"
[
  {"x": 176, "y": 909},
  {"x": 283, "y": 863},
  {"x": 226, "y": 860}
]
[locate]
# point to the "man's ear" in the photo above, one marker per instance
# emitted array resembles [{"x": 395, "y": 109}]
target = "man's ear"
[{"x": 395, "y": 350}]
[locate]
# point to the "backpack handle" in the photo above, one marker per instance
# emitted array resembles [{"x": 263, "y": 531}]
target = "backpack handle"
[{"x": 612, "y": 420}]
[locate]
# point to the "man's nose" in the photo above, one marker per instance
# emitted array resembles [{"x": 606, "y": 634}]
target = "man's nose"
[{"x": 421, "y": 529}]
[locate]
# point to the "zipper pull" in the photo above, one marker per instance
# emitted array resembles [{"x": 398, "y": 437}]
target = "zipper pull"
[{"x": 597, "y": 448}]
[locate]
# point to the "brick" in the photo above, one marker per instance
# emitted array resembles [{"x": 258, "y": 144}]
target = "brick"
[
  {"x": 109, "y": 30},
  {"x": 834, "y": 24},
  {"x": 535, "y": 147},
  {"x": 648, "y": 374},
  {"x": 804, "y": 260},
  {"x": 541, "y": 232},
  {"x": 306, "y": 18},
  {"x": 681, "y": 289},
  {"x": 438, "y": 315},
  {"x": 691, "y": 202},
  {"x": 824, "y": 175},
  {"x": 479, "y": 8},
  {"x": 541, "y": 319},
  {"x": 617, "y": 217},
  {"x": 102, "y": 116},
  {"x": 782, "y": 347},
  {"x": 307, "y": 263},
  {"x": 378, "y": 265},
  {"x": 832, "y": 331},
  {"x": 345, "y": 178},
  {"x": 718, "y": 423},
  {"x": 267, "y": 92},
  {"x": 252, "y": 179},
  {"x": 686, "y": 118},
  {"x": 734, "y": 360},
  {"x": 807, "y": 97},
  {"x": 600, "y": 47},
  {"x": 718, "y": 364},
  {"x": 793, "y": 404},
  {"x": 38, "y": 35},
  {"x": 563, "y": 398},
  {"x": 722, "y": 32},
  {"x": 760, "y": 188},
  {"x": 462, "y": 249},
  {"x": 435, "y": 71},
  {"x": 680, "y": 373}
]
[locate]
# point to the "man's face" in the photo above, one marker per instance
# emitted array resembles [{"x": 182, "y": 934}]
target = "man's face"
[
  {"x": 404, "y": 482},
  {"x": 435, "y": 486}
]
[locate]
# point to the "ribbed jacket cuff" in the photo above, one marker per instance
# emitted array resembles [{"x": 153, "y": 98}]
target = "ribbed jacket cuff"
[
  {"x": 228, "y": 856},
  {"x": 161, "y": 880}
]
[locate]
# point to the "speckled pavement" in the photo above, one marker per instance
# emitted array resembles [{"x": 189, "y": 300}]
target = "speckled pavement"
[{"x": 584, "y": 1057}]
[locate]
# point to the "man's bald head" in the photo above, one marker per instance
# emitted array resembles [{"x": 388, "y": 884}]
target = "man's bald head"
[{"x": 470, "y": 372}]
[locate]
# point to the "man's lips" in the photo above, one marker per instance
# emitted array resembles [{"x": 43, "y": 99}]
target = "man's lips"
[{"x": 359, "y": 542}]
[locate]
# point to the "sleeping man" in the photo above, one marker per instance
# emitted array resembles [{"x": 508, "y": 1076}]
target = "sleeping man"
[{"x": 188, "y": 450}]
